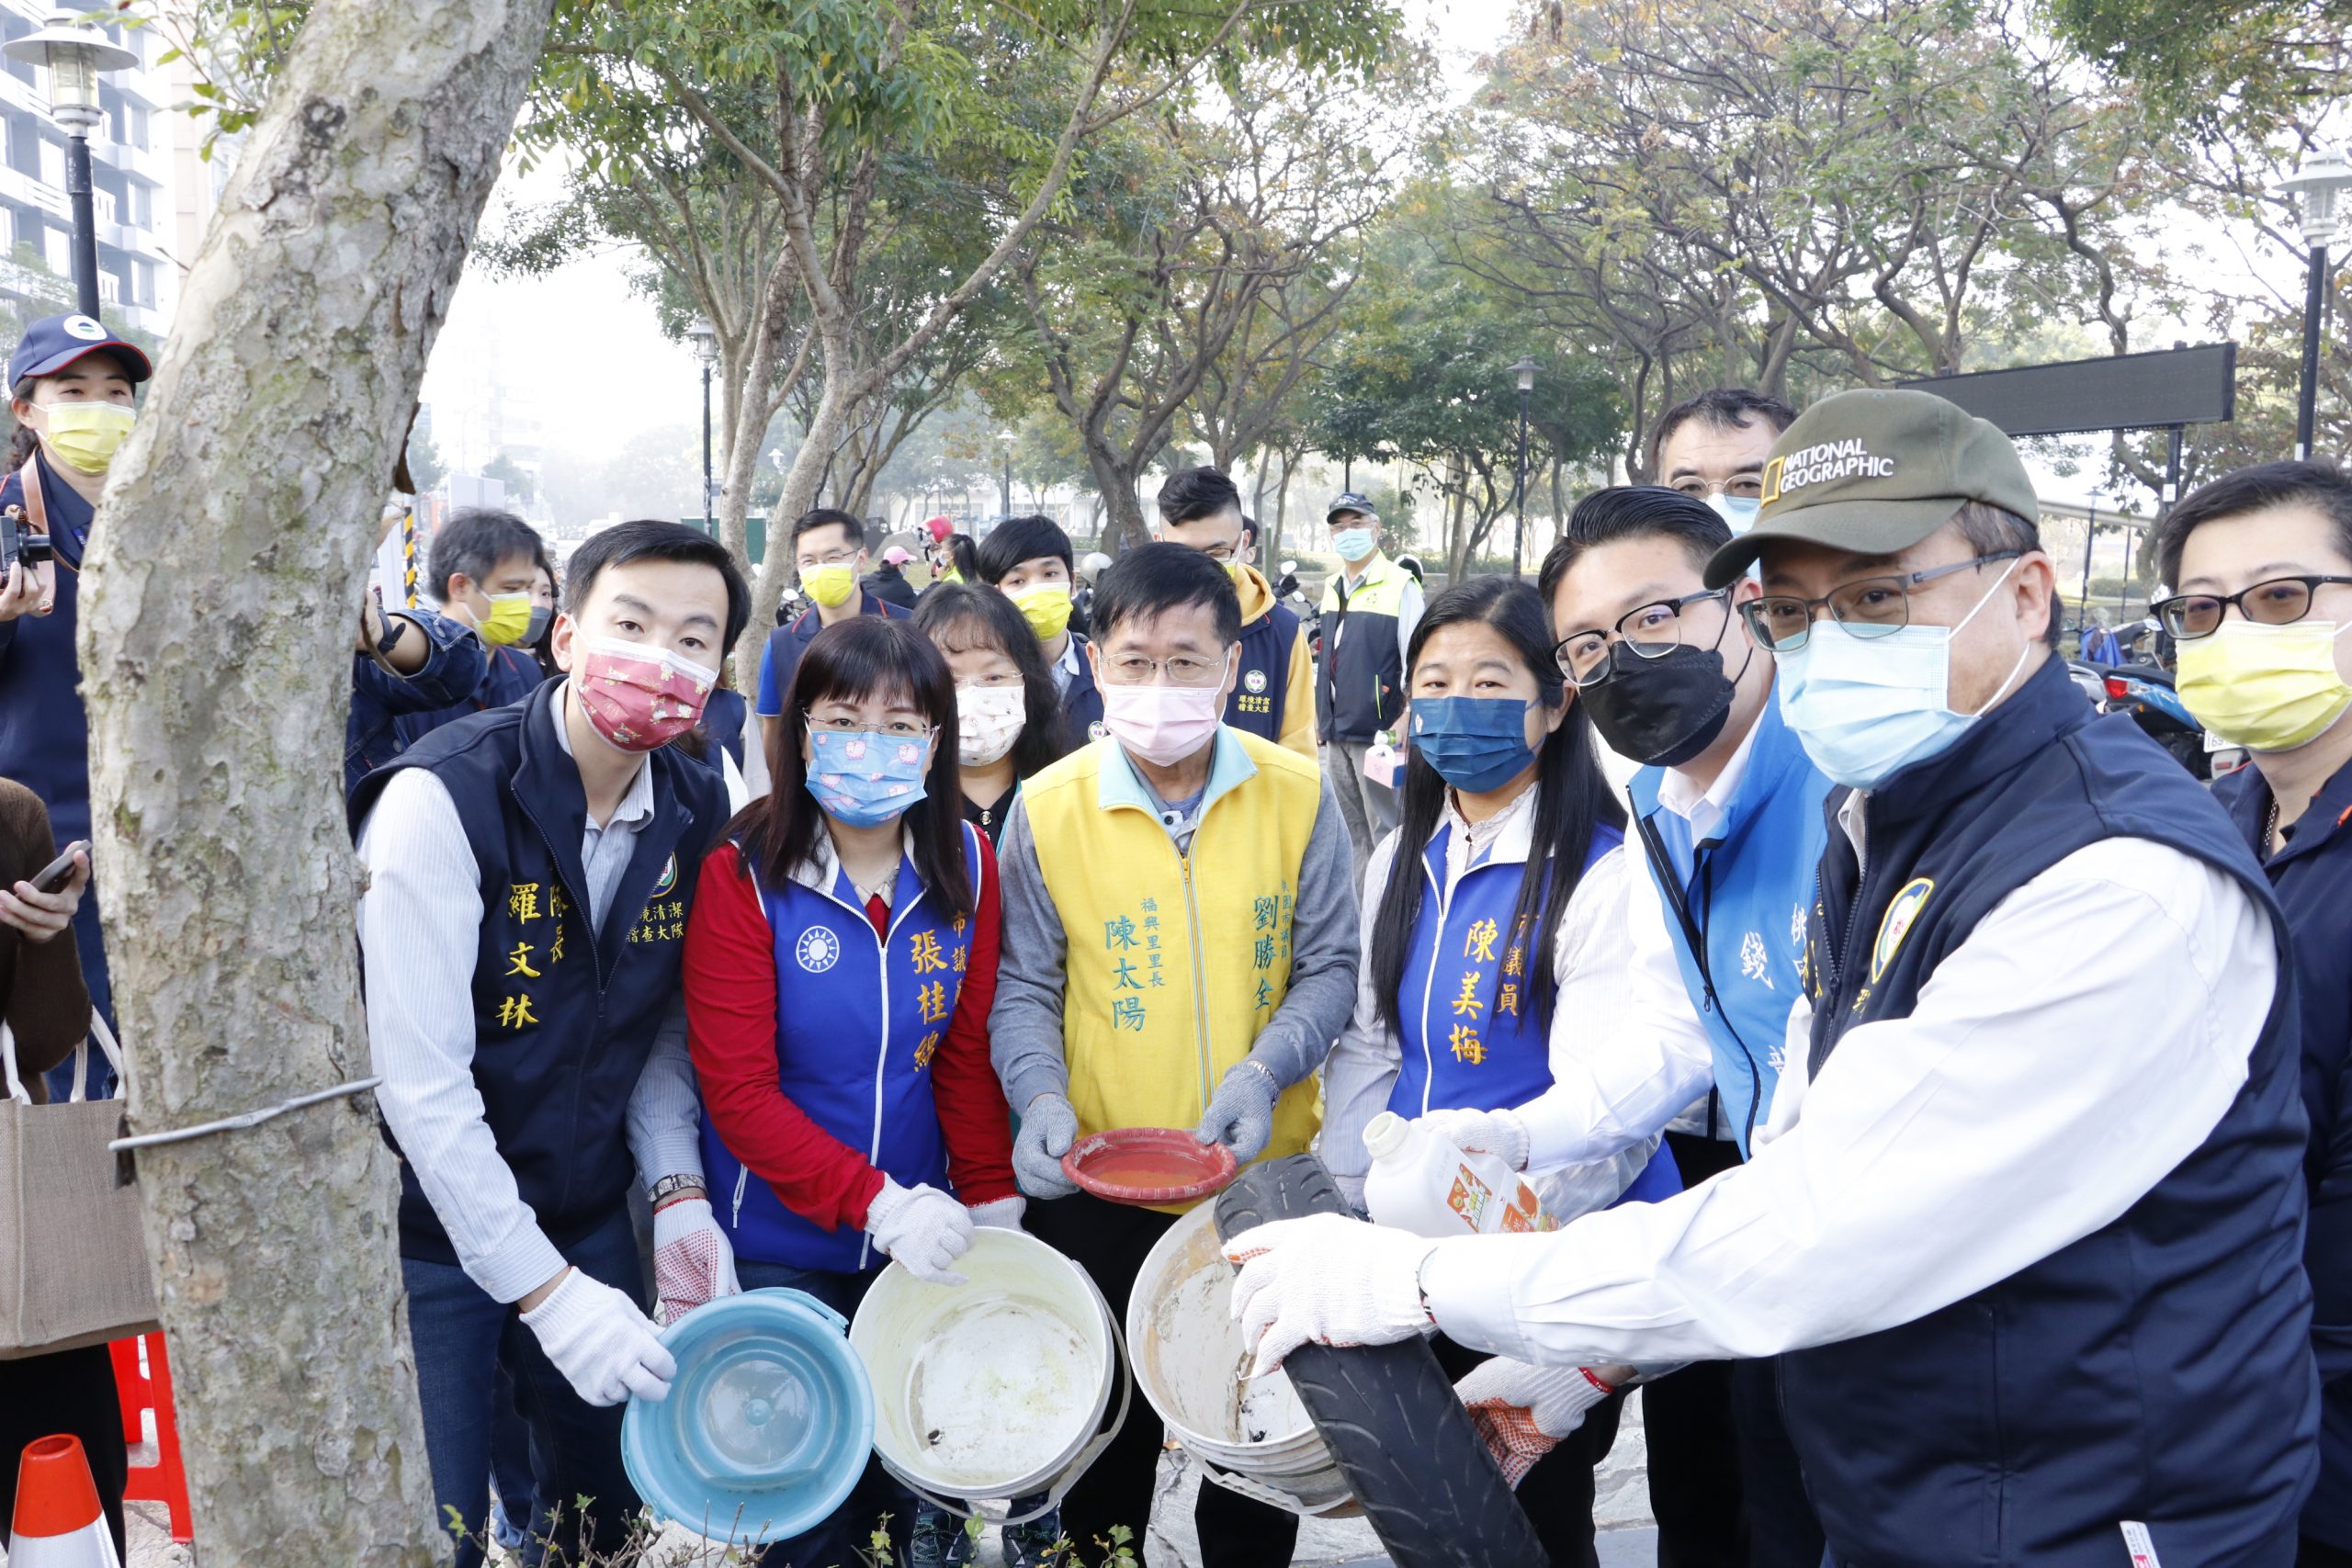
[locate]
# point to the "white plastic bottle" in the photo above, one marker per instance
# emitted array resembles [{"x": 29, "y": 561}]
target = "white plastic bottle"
[{"x": 1421, "y": 1183}]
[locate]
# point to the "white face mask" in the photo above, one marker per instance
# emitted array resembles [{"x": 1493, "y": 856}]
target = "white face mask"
[{"x": 988, "y": 719}]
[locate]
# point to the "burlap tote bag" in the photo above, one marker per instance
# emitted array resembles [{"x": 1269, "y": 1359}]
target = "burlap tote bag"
[{"x": 72, "y": 1265}]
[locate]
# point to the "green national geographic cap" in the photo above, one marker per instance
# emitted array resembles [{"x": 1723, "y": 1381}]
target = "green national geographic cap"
[{"x": 1876, "y": 472}]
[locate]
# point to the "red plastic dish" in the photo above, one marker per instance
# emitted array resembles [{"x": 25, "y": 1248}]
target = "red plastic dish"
[{"x": 1149, "y": 1165}]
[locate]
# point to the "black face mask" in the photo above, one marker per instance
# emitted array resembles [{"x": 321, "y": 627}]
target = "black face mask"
[{"x": 1661, "y": 712}]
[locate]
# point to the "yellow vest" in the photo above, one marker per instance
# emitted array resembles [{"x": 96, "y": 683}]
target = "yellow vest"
[{"x": 1174, "y": 963}]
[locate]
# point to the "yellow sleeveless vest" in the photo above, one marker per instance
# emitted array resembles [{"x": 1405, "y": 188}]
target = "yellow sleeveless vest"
[{"x": 1174, "y": 962}]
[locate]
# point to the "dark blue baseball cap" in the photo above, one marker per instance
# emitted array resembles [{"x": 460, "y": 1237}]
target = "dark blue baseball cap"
[
  {"x": 1348, "y": 500},
  {"x": 55, "y": 342}
]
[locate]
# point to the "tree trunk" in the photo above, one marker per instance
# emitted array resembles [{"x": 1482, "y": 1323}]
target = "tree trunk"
[{"x": 222, "y": 592}]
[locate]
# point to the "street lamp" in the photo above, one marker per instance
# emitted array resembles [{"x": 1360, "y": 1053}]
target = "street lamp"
[
  {"x": 2322, "y": 181},
  {"x": 704, "y": 339},
  {"x": 775, "y": 459},
  {"x": 1008, "y": 438},
  {"x": 76, "y": 51},
  {"x": 1525, "y": 371}
]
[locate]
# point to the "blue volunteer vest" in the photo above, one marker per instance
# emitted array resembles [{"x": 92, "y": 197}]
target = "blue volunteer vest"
[
  {"x": 859, "y": 1018},
  {"x": 1472, "y": 1040},
  {"x": 2157, "y": 1371},
  {"x": 1257, "y": 701},
  {"x": 564, "y": 1019},
  {"x": 1735, "y": 909},
  {"x": 1082, "y": 703}
]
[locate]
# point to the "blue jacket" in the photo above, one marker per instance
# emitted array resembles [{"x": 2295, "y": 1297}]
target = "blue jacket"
[
  {"x": 2312, "y": 876},
  {"x": 781, "y": 655},
  {"x": 1735, "y": 911},
  {"x": 452, "y": 674},
  {"x": 1081, "y": 701},
  {"x": 564, "y": 1017},
  {"x": 510, "y": 675},
  {"x": 44, "y": 728},
  {"x": 1473, "y": 1039},
  {"x": 858, "y": 1018},
  {"x": 2159, "y": 1368}
]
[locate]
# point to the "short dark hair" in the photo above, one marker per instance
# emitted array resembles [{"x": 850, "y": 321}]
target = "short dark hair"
[
  {"x": 960, "y": 616},
  {"x": 477, "y": 540},
  {"x": 652, "y": 538},
  {"x": 818, "y": 517},
  {"x": 1151, "y": 579},
  {"x": 1017, "y": 539},
  {"x": 1720, "y": 408},
  {"x": 1633, "y": 512},
  {"x": 1194, "y": 493},
  {"x": 2320, "y": 486}
]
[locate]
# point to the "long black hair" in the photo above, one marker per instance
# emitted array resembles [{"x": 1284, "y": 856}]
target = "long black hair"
[
  {"x": 960, "y": 616},
  {"x": 1572, "y": 799},
  {"x": 862, "y": 657}
]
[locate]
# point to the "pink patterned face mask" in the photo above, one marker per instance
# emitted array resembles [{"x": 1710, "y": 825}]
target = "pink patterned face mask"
[{"x": 639, "y": 698}]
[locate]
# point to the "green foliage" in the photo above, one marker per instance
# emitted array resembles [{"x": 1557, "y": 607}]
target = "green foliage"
[{"x": 2216, "y": 61}]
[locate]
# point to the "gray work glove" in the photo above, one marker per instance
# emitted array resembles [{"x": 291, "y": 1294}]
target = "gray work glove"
[
  {"x": 1048, "y": 1127},
  {"x": 1242, "y": 1113}
]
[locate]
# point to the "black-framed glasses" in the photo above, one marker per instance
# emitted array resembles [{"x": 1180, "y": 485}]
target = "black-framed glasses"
[
  {"x": 1867, "y": 607},
  {"x": 2281, "y": 602},
  {"x": 1652, "y": 631}
]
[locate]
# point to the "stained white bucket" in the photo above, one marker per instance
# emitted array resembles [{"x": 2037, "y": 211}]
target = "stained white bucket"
[
  {"x": 1252, "y": 1437},
  {"x": 996, "y": 1388}
]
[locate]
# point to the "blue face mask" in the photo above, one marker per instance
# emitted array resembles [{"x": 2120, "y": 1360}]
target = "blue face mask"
[
  {"x": 864, "y": 777},
  {"x": 1865, "y": 707},
  {"x": 1475, "y": 744},
  {"x": 1739, "y": 511},
  {"x": 1353, "y": 544}
]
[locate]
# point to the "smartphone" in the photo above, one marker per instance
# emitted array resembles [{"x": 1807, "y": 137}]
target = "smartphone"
[{"x": 59, "y": 871}]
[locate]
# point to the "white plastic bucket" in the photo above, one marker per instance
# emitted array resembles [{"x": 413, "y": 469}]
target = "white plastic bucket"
[
  {"x": 996, "y": 1388},
  {"x": 1252, "y": 1437}
]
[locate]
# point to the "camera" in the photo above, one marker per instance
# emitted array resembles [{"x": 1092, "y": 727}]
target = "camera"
[{"x": 18, "y": 543}]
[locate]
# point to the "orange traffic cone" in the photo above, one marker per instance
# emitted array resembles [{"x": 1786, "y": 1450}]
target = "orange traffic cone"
[{"x": 58, "y": 1524}]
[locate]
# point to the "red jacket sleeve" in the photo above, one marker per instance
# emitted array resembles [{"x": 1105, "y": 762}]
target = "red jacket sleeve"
[
  {"x": 730, "y": 1031},
  {"x": 972, "y": 1113}
]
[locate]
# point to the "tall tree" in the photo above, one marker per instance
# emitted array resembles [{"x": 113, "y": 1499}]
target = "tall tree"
[{"x": 224, "y": 583}]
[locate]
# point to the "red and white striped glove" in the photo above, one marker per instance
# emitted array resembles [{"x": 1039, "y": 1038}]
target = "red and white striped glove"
[
  {"x": 1523, "y": 1411},
  {"x": 692, "y": 1263}
]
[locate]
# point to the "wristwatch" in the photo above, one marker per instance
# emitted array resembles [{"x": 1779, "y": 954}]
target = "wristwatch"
[{"x": 669, "y": 1186}]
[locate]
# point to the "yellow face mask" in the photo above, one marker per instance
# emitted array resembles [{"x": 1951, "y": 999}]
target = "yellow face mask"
[
  {"x": 509, "y": 620},
  {"x": 829, "y": 585},
  {"x": 1046, "y": 606},
  {"x": 2264, "y": 688},
  {"x": 87, "y": 435}
]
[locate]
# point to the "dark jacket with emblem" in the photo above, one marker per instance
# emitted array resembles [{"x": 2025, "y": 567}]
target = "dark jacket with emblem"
[
  {"x": 555, "y": 1082},
  {"x": 2157, "y": 1369},
  {"x": 2312, "y": 874}
]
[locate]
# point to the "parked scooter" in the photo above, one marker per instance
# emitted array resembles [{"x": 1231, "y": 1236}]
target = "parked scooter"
[{"x": 2145, "y": 692}]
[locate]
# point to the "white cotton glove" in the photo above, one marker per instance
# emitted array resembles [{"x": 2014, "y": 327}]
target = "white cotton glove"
[
  {"x": 1048, "y": 1127},
  {"x": 1326, "y": 1278},
  {"x": 921, "y": 1227},
  {"x": 693, "y": 1262},
  {"x": 605, "y": 1348},
  {"x": 1499, "y": 1133},
  {"x": 1242, "y": 1112},
  {"x": 999, "y": 1213},
  {"x": 1522, "y": 1412}
]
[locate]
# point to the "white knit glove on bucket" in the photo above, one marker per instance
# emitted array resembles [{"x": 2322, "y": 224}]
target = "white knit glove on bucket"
[
  {"x": 605, "y": 1348},
  {"x": 921, "y": 1227},
  {"x": 1328, "y": 1279}
]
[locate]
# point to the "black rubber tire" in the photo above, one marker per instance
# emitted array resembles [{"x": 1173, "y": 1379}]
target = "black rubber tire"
[{"x": 1388, "y": 1413}]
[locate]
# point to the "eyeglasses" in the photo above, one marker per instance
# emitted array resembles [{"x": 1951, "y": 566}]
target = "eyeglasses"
[
  {"x": 1739, "y": 487},
  {"x": 839, "y": 557},
  {"x": 1868, "y": 607},
  {"x": 2277, "y": 602},
  {"x": 897, "y": 729},
  {"x": 1183, "y": 669},
  {"x": 1652, "y": 631}
]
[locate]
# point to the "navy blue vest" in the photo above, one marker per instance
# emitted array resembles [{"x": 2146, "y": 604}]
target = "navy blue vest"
[
  {"x": 1256, "y": 703},
  {"x": 563, "y": 1018},
  {"x": 859, "y": 1018},
  {"x": 2157, "y": 1369},
  {"x": 1082, "y": 703}
]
